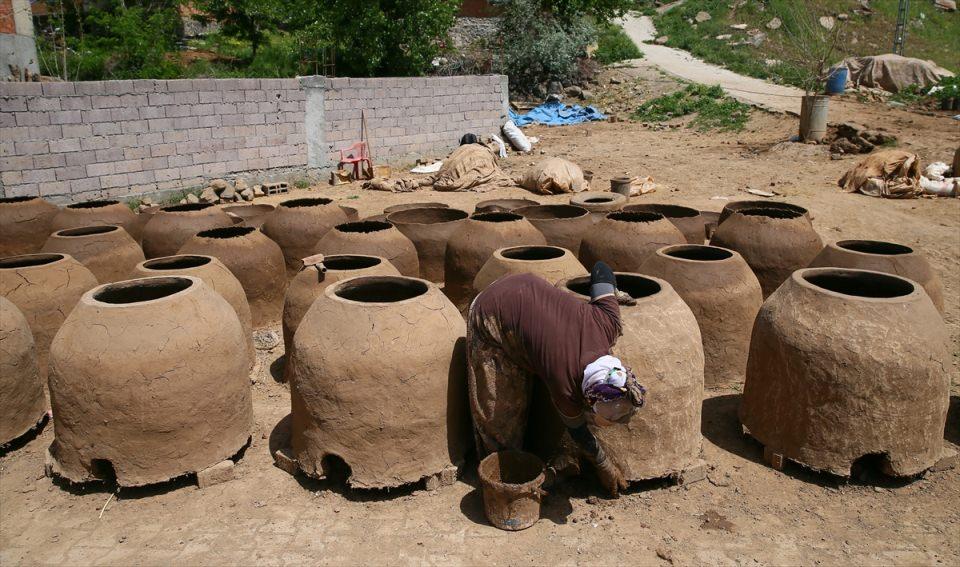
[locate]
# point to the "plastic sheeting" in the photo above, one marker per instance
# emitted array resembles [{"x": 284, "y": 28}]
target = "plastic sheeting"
[{"x": 557, "y": 114}]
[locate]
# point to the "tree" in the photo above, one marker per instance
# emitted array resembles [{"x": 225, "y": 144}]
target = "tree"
[{"x": 249, "y": 20}]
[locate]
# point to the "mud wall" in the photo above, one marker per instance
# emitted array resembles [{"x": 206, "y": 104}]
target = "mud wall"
[{"x": 74, "y": 141}]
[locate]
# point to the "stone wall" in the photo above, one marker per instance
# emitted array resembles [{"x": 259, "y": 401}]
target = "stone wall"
[
  {"x": 77, "y": 141},
  {"x": 469, "y": 31}
]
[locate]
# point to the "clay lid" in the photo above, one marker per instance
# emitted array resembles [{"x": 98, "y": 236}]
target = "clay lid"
[
  {"x": 28, "y": 261},
  {"x": 378, "y": 291},
  {"x": 93, "y": 204},
  {"x": 636, "y": 286},
  {"x": 857, "y": 285},
  {"x": 540, "y": 253},
  {"x": 873, "y": 247},
  {"x": 696, "y": 253},
  {"x": 177, "y": 263},
  {"x": 141, "y": 291},
  {"x": 86, "y": 231}
]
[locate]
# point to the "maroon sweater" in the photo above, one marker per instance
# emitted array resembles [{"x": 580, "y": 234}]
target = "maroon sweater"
[{"x": 559, "y": 332}]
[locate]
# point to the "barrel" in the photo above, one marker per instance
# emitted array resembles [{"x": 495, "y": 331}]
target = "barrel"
[
  {"x": 837, "y": 81},
  {"x": 813, "y": 118},
  {"x": 510, "y": 482}
]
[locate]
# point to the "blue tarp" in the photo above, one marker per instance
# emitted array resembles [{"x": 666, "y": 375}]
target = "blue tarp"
[{"x": 557, "y": 114}]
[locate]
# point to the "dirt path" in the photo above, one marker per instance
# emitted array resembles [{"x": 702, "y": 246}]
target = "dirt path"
[{"x": 682, "y": 65}]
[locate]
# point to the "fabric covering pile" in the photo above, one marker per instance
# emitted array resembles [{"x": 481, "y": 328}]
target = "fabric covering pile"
[
  {"x": 893, "y": 174},
  {"x": 556, "y": 113},
  {"x": 554, "y": 176},
  {"x": 471, "y": 167},
  {"x": 891, "y": 72}
]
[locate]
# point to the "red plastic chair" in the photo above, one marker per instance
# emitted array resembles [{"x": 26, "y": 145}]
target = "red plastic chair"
[{"x": 356, "y": 155}]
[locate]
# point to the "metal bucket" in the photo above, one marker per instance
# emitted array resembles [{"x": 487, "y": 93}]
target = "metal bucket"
[
  {"x": 813, "y": 118},
  {"x": 621, "y": 185},
  {"x": 510, "y": 482}
]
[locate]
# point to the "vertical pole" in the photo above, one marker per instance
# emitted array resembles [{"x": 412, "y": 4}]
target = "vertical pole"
[{"x": 900, "y": 35}]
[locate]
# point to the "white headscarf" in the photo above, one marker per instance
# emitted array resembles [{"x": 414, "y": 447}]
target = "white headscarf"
[{"x": 599, "y": 372}]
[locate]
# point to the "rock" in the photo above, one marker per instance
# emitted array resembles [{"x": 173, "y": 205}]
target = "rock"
[
  {"x": 843, "y": 17},
  {"x": 774, "y": 24},
  {"x": 208, "y": 195},
  {"x": 182, "y": 202},
  {"x": 738, "y": 26},
  {"x": 662, "y": 40},
  {"x": 771, "y": 62},
  {"x": 573, "y": 91},
  {"x": 850, "y": 129},
  {"x": 247, "y": 194},
  {"x": 554, "y": 88},
  {"x": 723, "y": 37},
  {"x": 240, "y": 185},
  {"x": 258, "y": 191},
  {"x": 615, "y": 81},
  {"x": 218, "y": 473},
  {"x": 266, "y": 340},
  {"x": 827, "y": 22},
  {"x": 702, "y": 17},
  {"x": 218, "y": 184},
  {"x": 586, "y": 94},
  {"x": 539, "y": 91},
  {"x": 878, "y": 138},
  {"x": 844, "y": 146},
  {"x": 191, "y": 198},
  {"x": 948, "y": 5},
  {"x": 146, "y": 201},
  {"x": 757, "y": 40},
  {"x": 228, "y": 194}
]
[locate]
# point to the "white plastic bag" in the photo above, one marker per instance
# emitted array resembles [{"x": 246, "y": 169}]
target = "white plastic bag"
[{"x": 516, "y": 138}]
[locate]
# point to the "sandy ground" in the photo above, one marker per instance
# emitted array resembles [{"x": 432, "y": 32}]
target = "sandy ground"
[{"x": 744, "y": 513}]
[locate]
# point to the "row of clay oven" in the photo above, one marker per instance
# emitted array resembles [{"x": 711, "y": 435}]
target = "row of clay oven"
[{"x": 844, "y": 358}]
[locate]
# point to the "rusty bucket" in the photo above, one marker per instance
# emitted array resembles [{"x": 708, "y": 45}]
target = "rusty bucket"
[{"x": 510, "y": 482}]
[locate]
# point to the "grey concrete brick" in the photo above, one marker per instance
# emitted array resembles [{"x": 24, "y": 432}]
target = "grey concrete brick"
[
  {"x": 51, "y": 188},
  {"x": 125, "y": 113},
  {"x": 106, "y": 101},
  {"x": 178, "y": 110},
  {"x": 210, "y": 96},
  {"x": 136, "y": 153},
  {"x": 135, "y": 126},
  {"x": 141, "y": 178},
  {"x": 209, "y": 121},
  {"x": 32, "y": 118},
  {"x": 233, "y": 96},
  {"x": 180, "y": 85},
  {"x": 39, "y": 175},
  {"x": 20, "y": 89},
  {"x": 179, "y": 159},
  {"x": 147, "y": 112},
  {"x": 32, "y": 147},
  {"x": 90, "y": 88},
  {"x": 43, "y": 161},
  {"x": 23, "y": 190},
  {"x": 96, "y": 115},
  {"x": 80, "y": 157},
  {"x": 11, "y": 177},
  {"x": 108, "y": 181},
  {"x": 99, "y": 169},
  {"x": 167, "y": 174},
  {"x": 68, "y": 173},
  {"x": 13, "y": 104},
  {"x": 175, "y": 136},
  {"x": 109, "y": 155},
  {"x": 186, "y": 98},
  {"x": 106, "y": 128},
  {"x": 85, "y": 184},
  {"x": 118, "y": 87}
]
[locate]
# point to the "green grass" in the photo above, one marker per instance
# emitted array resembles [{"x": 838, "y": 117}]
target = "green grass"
[
  {"x": 934, "y": 36},
  {"x": 713, "y": 109},
  {"x": 613, "y": 45}
]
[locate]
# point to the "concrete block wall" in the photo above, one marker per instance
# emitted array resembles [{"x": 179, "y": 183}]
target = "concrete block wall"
[
  {"x": 405, "y": 117},
  {"x": 74, "y": 141}
]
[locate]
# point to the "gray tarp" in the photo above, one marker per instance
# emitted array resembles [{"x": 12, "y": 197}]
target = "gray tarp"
[{"x": 892, "y": 73}]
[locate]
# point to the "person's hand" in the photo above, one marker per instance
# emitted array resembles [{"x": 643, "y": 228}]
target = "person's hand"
[
  {"x": 611, "y": 477},
  {"x": 624, "y": 298}
]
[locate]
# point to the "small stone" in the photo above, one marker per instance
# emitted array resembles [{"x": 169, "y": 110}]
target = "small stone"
[
  {"x": 266, "y": 340},
  {"x": 723, "y": 37},
  {"x": 573, "y": 91},
  {"x": 247, "y": 194},
  {"x": 146, "y": 201},
  {"x": 586, "y": 95},
  {"x": 843, "y": 17},
  {"x": 258, "y": 191},
  {"x": 182, "y": 202},
  {"x": 191, "y": 198},
  {"x": 218, "y": 473},
  {"x": 758, "y": 39},
  {"x": 228, "y": 194},
  {"x": 593, "y": 500},
  {"x": 739, "y": 26},
  {"x": 703, "y": 17},
  {"x": 662, "y": 40},
  {"x": 827, "y": 22},
  {"x": 218, "y": 184},
  {"x": 615, "y": 81},
  {"x": 774, "y": 24},
  {"x": 554, "y": 87},
  {"x": 240, "y": 185},
  {"x": 947, "y": 5},
  {"x": 208, "y": 195}
]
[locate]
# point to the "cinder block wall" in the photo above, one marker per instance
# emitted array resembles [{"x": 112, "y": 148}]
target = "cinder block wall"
[
  {"x": 405, "y": 117},
  {"x": 74, "y": 141}
]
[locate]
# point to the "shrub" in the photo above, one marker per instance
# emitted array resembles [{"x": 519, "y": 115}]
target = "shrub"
[
  {"x": 715, "y": 110},
  {"x": 614, "y": 45}
]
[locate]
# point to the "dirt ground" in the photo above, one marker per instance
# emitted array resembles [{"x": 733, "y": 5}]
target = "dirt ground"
[{"x": 744, "y": 513}]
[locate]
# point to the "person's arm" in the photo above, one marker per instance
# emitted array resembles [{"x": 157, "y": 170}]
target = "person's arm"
[{"x": 610, "y": 476}]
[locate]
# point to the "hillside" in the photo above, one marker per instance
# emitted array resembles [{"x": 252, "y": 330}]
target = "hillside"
[{"x": 932, "y": 34}]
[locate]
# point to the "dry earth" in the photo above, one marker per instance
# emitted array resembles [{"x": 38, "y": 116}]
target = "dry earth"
[{"x": 745, "y": 513}]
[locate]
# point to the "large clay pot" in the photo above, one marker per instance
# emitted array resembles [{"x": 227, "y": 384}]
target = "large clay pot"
[
  {"x": 406, "y": 359},
  {"x": 845, "y": 364},
  {"x": 250, "y": 214},
  {"x": 774, "y": 242},
  {"x": 549, "y": 262},
  {"x": 406, "y": 207},
  {"x": 689, "y": 221},
  {"x": 430, "y": 230},
  {"x": 735, "y": 206},
  {"x": 625, "y": 240},
  {"x": 24, "y": 224},
  {"x": 475, "y": 242},
  {"x": 661, "y": 344},
  {"x": 886, "y": 257},
  {"x": 254, "y": 259},
  {"x": 146, "y": 384},
  {"x": 171, "y": 227},
  {"x": 561, "y": 225},
  {"x": 372, "y": 238},
  {"x": 97, "y": 213},
  {"x": 724, "y": 296},
  {"x": 22, "y": 402},
  {"x": 298, "y": 224},
  {"x": 214, "y": 274},
  {"x": 45, "y": 287},
  {"x": 107, "y": 251},
  {"x": 309, "y": 284},
  {"x": 503, "y": 205},
  {"x": 143, "y": 217},
  {"x": 599, "y": 203}
]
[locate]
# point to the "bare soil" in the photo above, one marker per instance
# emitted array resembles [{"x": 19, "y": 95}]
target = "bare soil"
[{"x": 745, "y": 512}]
